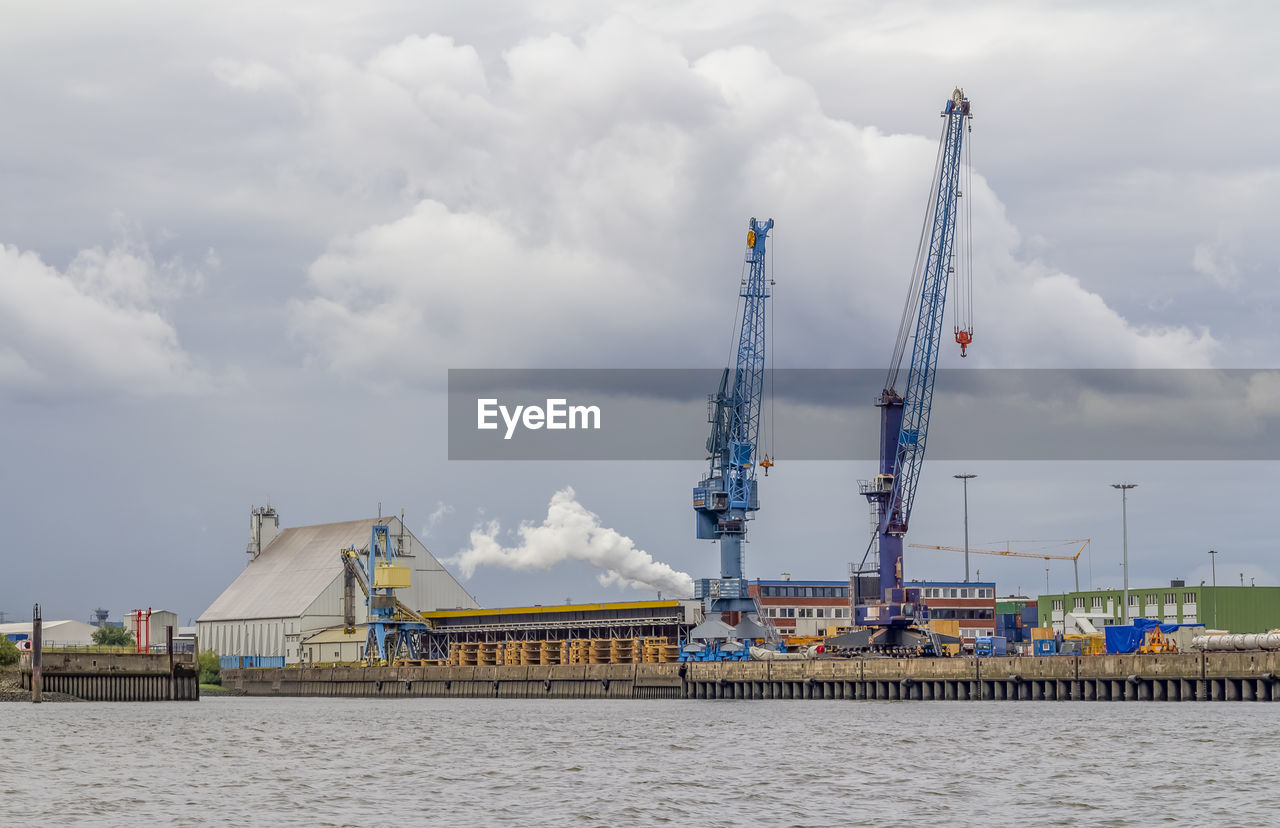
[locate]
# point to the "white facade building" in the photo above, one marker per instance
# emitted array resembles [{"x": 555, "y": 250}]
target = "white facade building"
[
  {"x": 54, "y": 633},
  {"x": 293, "y": 587}
]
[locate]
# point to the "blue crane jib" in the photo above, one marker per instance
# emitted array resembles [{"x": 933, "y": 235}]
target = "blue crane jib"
[
  {"x": 904, "y": 417},
  {"x": 724, "y": 499}
]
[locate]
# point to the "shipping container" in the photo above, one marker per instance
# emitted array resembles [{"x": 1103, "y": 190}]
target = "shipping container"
[
  {"x": 1044, "y": 647},
  {"x": 990, "y": 645}
]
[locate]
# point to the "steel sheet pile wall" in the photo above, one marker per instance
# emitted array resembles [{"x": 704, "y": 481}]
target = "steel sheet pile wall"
[
  {"x": 1173, "y": 677},
  {"x": 102, "y": 676}
]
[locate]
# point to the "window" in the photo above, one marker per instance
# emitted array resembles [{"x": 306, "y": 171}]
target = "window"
[
  {"x": 1079, "y": 603},
  {"x": 1171, "y": 597},
  {"x": 1097, "y": 602},
  {"x": 1057, "y": 605},
  {"x": 953, "y": 592},
  {"x": 1188, "y": 597},
  {"x": 820, "y": 615},
  {"x": 1133, "y": 600},
  {"x": 1151, "y": 599}
]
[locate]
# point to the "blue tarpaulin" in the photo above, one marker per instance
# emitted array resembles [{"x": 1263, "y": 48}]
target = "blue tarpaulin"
[{"x": 1128, "y": 638}]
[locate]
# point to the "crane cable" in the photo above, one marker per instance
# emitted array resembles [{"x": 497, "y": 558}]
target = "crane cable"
[{"x": 962, "y": 308}]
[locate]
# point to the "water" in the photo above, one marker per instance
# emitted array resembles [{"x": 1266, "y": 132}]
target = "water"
[{"x": 456, "y": 762}]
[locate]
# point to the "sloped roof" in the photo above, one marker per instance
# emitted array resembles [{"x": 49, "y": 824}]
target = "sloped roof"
[
  {"x": 55, "y": 632},
  {"x": 291, "y": 571}
]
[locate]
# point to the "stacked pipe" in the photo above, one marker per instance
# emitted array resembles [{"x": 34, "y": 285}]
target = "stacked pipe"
[{"x": 1237, "y": 641}]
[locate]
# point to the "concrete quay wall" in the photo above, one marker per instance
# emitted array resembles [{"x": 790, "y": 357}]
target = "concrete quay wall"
[
  {"x": 108, "y": 676},
  {"x": 1171, "y": 677}
]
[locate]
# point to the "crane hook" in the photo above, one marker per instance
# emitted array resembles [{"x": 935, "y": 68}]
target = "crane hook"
[
  {"x": 965, "y": 338},
  {"x": 766, "y": 464}
]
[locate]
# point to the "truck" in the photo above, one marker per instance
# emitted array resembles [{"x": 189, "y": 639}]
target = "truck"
[{"x": 990, "y": 645}]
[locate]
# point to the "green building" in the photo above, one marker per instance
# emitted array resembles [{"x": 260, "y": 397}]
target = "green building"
[{"x": 1232, "y": 608}]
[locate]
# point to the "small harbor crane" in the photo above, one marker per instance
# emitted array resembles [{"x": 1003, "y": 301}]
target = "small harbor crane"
[{"x": 394, "y": 629}]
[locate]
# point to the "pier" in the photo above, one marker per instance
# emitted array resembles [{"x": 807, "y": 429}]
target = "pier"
[
  {"x": 95, "y": 675},
  {"x": 1243, "y": 676}
]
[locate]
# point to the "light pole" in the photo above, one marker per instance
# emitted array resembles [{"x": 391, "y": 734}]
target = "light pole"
[
  {"x": 1213, "y": 564},
  {"x": 1124, "y": 512},
  {"x": 966, "y": 478}
]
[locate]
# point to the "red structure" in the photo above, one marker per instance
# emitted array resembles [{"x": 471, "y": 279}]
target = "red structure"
[{"x": 142, "y": 629}]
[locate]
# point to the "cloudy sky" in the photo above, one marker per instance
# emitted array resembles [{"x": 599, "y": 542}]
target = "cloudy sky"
[{"x": 241, "y": 247}]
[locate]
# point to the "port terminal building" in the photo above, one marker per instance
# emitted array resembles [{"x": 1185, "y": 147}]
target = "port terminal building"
[
  {"x": 667, "y": 620},
  {"x": 798, "y": 609},
  {"x": 1237, "y": 609},
  {"x": 292, "y": 588},
  {"x": 810, "y": 608}
]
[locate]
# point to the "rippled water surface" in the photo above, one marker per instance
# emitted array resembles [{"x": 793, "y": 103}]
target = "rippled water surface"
[{"x": 247, "y": 761}]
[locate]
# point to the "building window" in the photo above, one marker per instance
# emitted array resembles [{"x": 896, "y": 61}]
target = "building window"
[
  {"x": 1151, "y": 599},
  {"x": 1057, "y": 605},
  {"x": 954, "y": 592},
  {"x": 1188, "y": 597},
  {"x": 1171, "y": 597},
  {"x": 1097, "y": 602},
  {"x": 1133, "y": 600},
  {"x": 820, "y": 612},
  {"x": 1079, "y": 603}
]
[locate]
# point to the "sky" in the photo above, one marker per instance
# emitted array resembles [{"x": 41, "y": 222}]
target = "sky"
[{"x": 240, "y": 248}]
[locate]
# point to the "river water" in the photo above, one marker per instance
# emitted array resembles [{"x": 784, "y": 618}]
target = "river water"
[{"x": 458, "y": 762}]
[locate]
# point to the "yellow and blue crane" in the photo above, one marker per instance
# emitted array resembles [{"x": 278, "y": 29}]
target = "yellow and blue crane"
[{"x": 724, "y": 500}]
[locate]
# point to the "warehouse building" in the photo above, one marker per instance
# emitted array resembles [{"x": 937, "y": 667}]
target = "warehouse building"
[
  {"x": 292, "y": 588},
  {"x": 670, "y": 619},
  {"x": 52, "y": 633},
  {"x": 1237, "y": 609}
]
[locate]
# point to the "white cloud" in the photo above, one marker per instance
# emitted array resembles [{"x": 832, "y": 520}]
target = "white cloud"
[
  {"x": 572, "y": 533},
  {"x": 1215, "y": 261},
  {"x": 606, "y": 209},
  {"x": 95, "y": 327}
]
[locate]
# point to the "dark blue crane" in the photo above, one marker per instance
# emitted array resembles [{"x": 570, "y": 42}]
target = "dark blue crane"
[
  {"x": 943, "y": 250},
  {"x": 724, "y": 499}
]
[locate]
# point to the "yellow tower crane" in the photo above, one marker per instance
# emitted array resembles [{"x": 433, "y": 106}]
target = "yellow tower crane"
[{"x": 1008, "y": 552}]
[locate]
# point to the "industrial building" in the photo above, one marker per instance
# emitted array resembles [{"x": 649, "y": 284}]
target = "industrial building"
[
  {"x": 52, "y": 633},
  {"x": 149, "y": 626},
  {"x": 629, "y": 620},
  {"x": 971, "y": 603},
  {"x": 802, "y": 608},
  {"x": 1237, "y": 609},
  {"x": 292, "y": 588}
]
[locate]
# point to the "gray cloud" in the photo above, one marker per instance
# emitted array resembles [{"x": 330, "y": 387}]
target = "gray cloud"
[{"x": 392, "y": 190}]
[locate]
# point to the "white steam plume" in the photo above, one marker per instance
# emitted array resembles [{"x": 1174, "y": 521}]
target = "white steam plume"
[{"x": 572, "y": 533}]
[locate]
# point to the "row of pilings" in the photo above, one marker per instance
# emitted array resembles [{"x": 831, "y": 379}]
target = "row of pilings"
[
  {"x": 1132, "y": 688},
  {"x": 124, "y": 687}
]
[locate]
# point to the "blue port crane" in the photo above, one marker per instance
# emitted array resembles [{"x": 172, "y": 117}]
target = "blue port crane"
[
  {"x": 394, "y": 630},
  {"x": 724, "y": 500},
  {"x": 943, "y": 250}
]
